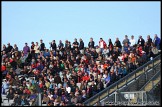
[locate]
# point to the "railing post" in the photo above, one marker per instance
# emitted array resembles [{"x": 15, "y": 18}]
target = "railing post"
[{"x": 152, "y": 83}]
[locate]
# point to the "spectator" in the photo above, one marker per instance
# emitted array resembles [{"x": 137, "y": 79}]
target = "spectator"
[
  {"x": 132, "y": 41},
  {"x": 36, "y": 49},
  {"x": 110, "y": 45},
  {"x": 17, "y": 100},
  {"x": 149, "y": 40},
  {"x": 9, "y": 48},
  {"x": 15, "y": 48},
  {"x": 26, "y": 49},
  {"x": 24, "y": 101},
  {"x": 141, "y": 41},
  {"x": 102, "y": 44},
  {"x": 118, "y": 44},
  {"x": 75, "y": 44},
  {"x": 157, "y": 41},
  {"x": 32, "y": 49},
  {"x": 53, "y": 45},
  {"x": 81, "y": 46},
  {"x": 126, "y": 40},
  {"x": 42, "y": 46},
  {"x": 91, "y": 43}
]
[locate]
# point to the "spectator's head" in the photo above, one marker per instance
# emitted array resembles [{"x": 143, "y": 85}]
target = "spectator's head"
[
  {"x": 148, "y": 36},
  {"x": 75, "y": 39},
  {"x": 91, "y": 39},
  {"x": 126, "y": 36},
  {"x": 132, "y": 37},
  {"x": 117, "y": 39},
  {"x": 80, "y": 40},
  {"x": 101, "y": 39},
  {"x": 140, "y": 37},
  {"x": 41, "y": 41},
  {"x": 26, "y": 44},
  {"x": 36, "y": 43},
  {"x": 32, "y": 43},
  {"x": 155, "y": 36},
  {"x": 8, "y": 44}
]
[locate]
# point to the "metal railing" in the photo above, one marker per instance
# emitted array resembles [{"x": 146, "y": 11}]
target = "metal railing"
[
  {"x": 156, "y": 76},
  {"x": 123, "y": 81}
]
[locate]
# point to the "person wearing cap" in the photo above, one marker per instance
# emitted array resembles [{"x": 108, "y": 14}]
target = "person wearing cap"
[{"x": 26, "y": 49}]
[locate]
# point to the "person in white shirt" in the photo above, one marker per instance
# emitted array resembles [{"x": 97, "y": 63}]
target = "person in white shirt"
[
  {"x": 36, "y": 48},
  {"x": 68, "y": 89},
  {"x": 132, "y": 41}
]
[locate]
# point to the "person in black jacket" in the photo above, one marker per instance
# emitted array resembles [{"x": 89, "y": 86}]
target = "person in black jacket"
[
  {"x": 75, "y": 44},
  {"x": 81, "y": 46},
  {"x": 42, "y": 46},
  {"x": 149, "y": 40},
  {"x": 53, "y": 45},
  {"x": 91, "y": 43},
  {"x": 118, "y": 44},
  {"x": 9, "y": 48},
  {"x": 141, "y": 41}
]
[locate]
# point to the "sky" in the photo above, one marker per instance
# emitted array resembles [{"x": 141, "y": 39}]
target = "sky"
[{"x": 31, "y": 21}]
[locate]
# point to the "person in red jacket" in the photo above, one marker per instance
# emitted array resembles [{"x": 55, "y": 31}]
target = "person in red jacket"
[{"x": 102, "y": 44}]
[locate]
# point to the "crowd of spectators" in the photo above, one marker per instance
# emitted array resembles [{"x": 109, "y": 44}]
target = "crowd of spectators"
[{"x": 69, "y": 74}]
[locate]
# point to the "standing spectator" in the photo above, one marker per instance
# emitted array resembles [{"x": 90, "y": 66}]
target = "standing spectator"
[
  {"x": 42, "y": 46},
  {"x": 110, "y": 45},
  {"x": 4, "y": 48},
  {"x": 81, "y": 46},
  {"x": 102, "y": 44},
  {"x": 118, "y": 44},
  {"x": 75, "y": 44},
  {"x": 132, "y": 41},
  {"x": 36, "y": 49},
  {"x": 149, "y": 40},
  {"x": 9, "y": 48},
  {"x": 32, "y": 49},
  {"x": 53, "y": 45},
  {"x": 26, "y": 49},
  {"x": 60, "y": 45},
  {"x": 141, "y": 41},
  {"x": 91, "y": 43},
  {"x": 157, "y": 41},
  {"x": 126, "y": 40},
  {"x": 15, "y": 48}
]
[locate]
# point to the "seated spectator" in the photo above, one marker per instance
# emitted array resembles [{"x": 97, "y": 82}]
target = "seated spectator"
[{"x": 24, "y": 101}]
